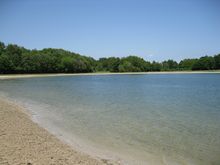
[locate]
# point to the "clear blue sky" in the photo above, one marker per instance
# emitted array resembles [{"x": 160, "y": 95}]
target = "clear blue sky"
[{"x": 152, "y": 29}]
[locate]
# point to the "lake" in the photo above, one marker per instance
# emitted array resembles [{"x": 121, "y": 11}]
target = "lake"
[{"x": 137, "y": 119}]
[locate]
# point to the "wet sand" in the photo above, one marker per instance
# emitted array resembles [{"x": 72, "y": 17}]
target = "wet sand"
[{"x": 24, "y": 142}]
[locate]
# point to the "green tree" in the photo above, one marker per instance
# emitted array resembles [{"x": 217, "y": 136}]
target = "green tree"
[
  {"x": 14, "y": 54},
  {"x": 169, "y": 65},
  {"x": 217, "y": 61},
  {"x": 6, "y": 65},
  {"x": 15, "y": 59},
  {"x": 187, "y": 64},
  {"x": 156, "y": 66},
  {"x": 127, "y": 66},
  {"x": 133, "y": 64},
  {"x": 2, "y": 47},
  {"x": 113, "y": 64},
  {"x": 102, "y": 64},
  {"x": 110, "y": 64},
  {"x": 204, "y": 63}
]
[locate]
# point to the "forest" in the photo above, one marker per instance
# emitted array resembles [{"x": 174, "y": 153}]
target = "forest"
[{"x": 17, "y": 59}]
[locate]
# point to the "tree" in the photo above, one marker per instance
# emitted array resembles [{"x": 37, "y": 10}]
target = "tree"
[
  {"x": 217, "y": 61},
  {"x": 6, "y": 65},
  {"x": 127, "y": 66},
  {"x": 204, "y": 63},
  {"x": 187, "y": 64},
  {"x": 102, "y": 64},
  {"x": 113, "y": 64},
  {"x": 2, "y": 47},
  {"x": 169, "y": 65},
  {"x": 110, "y": 64},
  {"x": 155, "y": 66},
  {"x": 16, "y": 59},
  {"x": 14, "y": 54},
  {"x": 133, "y": 64}
]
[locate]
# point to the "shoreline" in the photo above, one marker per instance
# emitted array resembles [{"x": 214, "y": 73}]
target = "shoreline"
[
  {"x": 16, "y": 116},
  {"x": 25, "y": 142},
  {"x": 12, "y": 109},
  {"x": 14, "y": 76}
]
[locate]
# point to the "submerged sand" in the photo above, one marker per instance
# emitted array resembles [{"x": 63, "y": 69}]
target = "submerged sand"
[{"x": 24, "y": 142}]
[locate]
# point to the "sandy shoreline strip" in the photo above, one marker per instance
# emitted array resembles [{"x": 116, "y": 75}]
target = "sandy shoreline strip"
[
  {"x": 13, "y": 76},
  {"x": 23, "y": 142}
]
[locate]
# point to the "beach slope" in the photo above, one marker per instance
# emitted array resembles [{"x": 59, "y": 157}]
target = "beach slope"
[{"x": 24, "y": 142}]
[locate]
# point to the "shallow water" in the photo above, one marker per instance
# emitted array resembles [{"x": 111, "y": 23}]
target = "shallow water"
[{"x": 141, "y": 119}]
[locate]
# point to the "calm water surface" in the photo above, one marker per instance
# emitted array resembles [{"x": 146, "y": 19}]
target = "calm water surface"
[{"x": 141, "y": 119}]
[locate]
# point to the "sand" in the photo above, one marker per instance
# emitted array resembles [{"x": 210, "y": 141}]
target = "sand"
[
  {"x": 24, "y": 142},
  {"x": 13, "y": 76}
]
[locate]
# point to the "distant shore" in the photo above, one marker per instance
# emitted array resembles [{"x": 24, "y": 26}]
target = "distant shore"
[
  {"x": 25, "y": 142},
  {"x": 13, "y": 76}
]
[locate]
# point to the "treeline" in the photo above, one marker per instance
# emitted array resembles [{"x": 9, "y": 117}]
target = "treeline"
[
  {"x": 16, "y": 59},
  {"x": 137, "y": 64}
]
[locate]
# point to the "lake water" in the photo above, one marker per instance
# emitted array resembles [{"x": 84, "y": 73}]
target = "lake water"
[{"x": 137, "y": 119}]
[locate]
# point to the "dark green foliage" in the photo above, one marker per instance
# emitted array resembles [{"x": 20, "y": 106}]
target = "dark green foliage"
[
  {"x": 133, "y": 64},
  {"x": 71, "y": 64},
  {"x": 2, "y": 47},
  {"x": 16, "y": 59},
  {"x": 169, "y": 65},
  {"x": 6, "y": 65},
  {"x": 108, "y": 64},
  {"x": 14, "y": 54},
  {"x": 217, "y": 61},
  {"x": 204, "y": 63},
  {"x": 156, "y": 66},
  {"x": 187, "y": 64},
  {"x": 39, "y": 63}
]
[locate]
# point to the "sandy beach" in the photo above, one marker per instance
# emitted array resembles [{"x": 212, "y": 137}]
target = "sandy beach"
[
  {"x": 24, "y": 142},
  {"x": 13, "y": 76}
]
